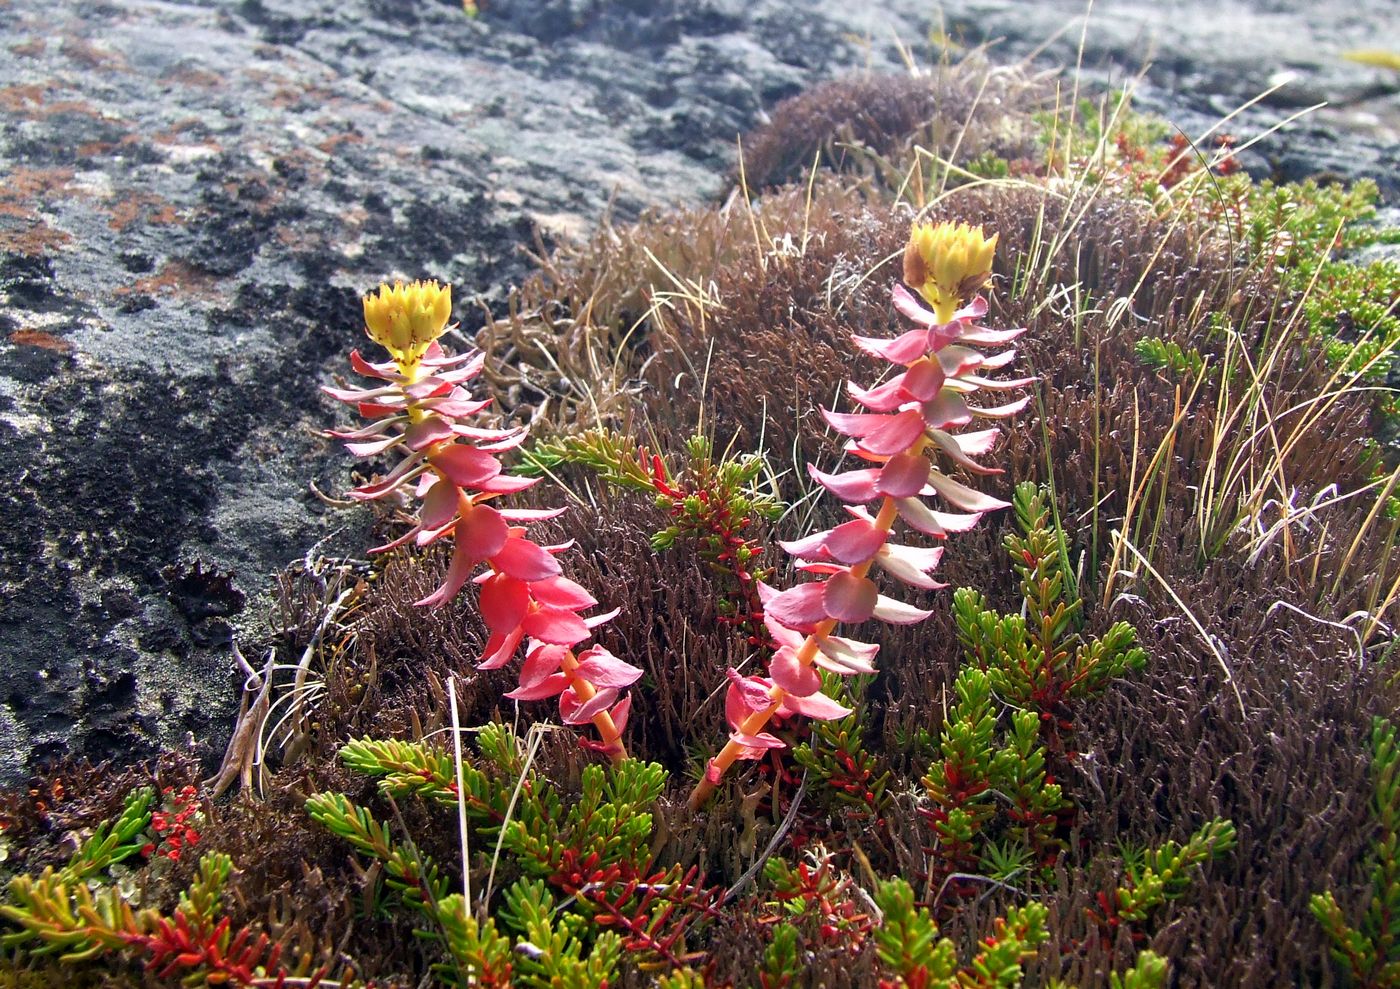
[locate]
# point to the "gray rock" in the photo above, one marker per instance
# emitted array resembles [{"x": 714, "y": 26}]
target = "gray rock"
[{"x": 195, "y": 194}]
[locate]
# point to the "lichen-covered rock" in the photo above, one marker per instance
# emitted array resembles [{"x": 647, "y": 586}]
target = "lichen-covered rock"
[{"x": 195, "y": 193}]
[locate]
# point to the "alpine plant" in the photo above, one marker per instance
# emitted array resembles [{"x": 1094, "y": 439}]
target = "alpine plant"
[
  {"x": 906, "y": 436},
  {"x": 421, "y": 412}
]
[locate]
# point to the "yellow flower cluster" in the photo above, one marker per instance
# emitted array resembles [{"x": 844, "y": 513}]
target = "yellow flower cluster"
[
  {"x": 406, "y": 319},
  {"x": 947, "y": 263}
]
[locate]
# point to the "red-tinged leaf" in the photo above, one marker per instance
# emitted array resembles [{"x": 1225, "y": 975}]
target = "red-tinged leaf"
[
  {"x": 360, "y": 394},
  {"x": 412, "y": 534},
  {"x": 995, "y": 384},
  {"x": 1002, "y": 411},
  {"x": 602, "y": 669},
  {"x": 500, "y": 648},
  {"x": 546, "y": 687},
  {"x": 531, "y": 514},
  {"x": 781, "y": 634},
  {"x": 457, "y": 404},
  {"x": 961, "y": 496},
  {"x": 525, "y": 560},
  {"x": 845, "y": 656},
  {"x": 388, "y": 371},
  {"x": 799, "y": 607},
  {"x": 910, "y": 308},
  {"x": 427, "y": 388},
  {"x": 575, "y": 713},
  {"x": 904, "y": 349},
  {"x": 853, "y": 486},
  {"x": 792, "y": 675},
  {"x": 746, "y": 696},
  {"x": 852, "y": 542},
  {"x": 365, "y": 432},
  {"x": 440, "y": 505},
  {"x": 541, "y": 661},
  {"x": 920, "y": 517},
  {"x": 509, "y": 442},
  {"x": 620, "y": 712},
  {"x": 457, "y": 573},
  {"x": 947, "y": 409},
  {"x": 504, "y": 601},
  {"x": 817, "y": 706},
  {"x": 897, "y": 612},
  {"x": 507, "y": 484},
  {"x": 903, "y": 476},
  {"x": 882, "y": 398},
  {"x": 432, "y": 429},
  {"x": 482, "y": 530},
  {"x": 373, "y": 410},
  {"x": 981, "y": 336},
  {"x": 464, "y": 465},
  {"x": 759, "y": 742},
  {"x": 556, "y": 625},
  {"x": 923, "y": 380},
  {"x": 373, "y": 448},
  {"x": 849, "y": 598},
  {"x": 561, "y": 592},
  {"x": 911, "y": 565},
  {"x": 956, "y": 360}
]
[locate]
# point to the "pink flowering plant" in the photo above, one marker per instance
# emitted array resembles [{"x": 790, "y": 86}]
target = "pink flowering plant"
[
  {"x": 908, "y": 431},
  {"x": 421, "y": 411}
]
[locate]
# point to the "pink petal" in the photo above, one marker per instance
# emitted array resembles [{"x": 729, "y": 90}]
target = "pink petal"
[
  {"x": 500, "y": 648},
  {"x": 602, "y": 669},
  {"x": 953, "y": 449},
  {"x": 903, "y": 349},
  {"x": 745, "y": 696},
  {"x": 758, "y": 742},
  {"x": 818, "y": 706},
  {"x": 619, "y": 713},
  {"x": 851, "y": 542},
  {"x": 897, "y": 612},
  {"x": 507, "y": 484},
  {"x": 882, "y": 434},
  {"x": 799, "y": 607},
  {"x": 388, "y": 371},
  {"x": 405, "y": 471},
  {"x": 923, "y": 380},
  {"x": 984, "y": 337},
  {"x": 457, "y": 573},
  {"x": 1002, "y": 411},
  {"x": 439, "y": 505},
  {"x": 882, "y": 398},
  {"x": 432, "y": 429},
  {"x": 372, "y": 410},
  {"x": 845, "y": 656},
  {"x": 602, "y": 619},
  {"x": 910, "y": 308},
  {"x": 482, "y": 531},
  {"x": 531, "y": 514},
  {"x": 546, "y": 687},
  {"x": 575, "y": 713},
  {"x": 947, "y": 409},
  {"x": 465, "y": 466},
  {"x": 911, "y": 565},
  {"x": 849, "y": 598},
  {"x": 961, "y": 496},
  {"x": 782, "y": 635},
  {"x": 852, "y": 486},
  {"x": 372, "y": 447},
  {"x": 541, "y": 661},
  {"x": 504, "y": 602},
  {"x": 957, "y": 360},
  {"x": 556, "y": 625},
  {"x": 525, "y": 560},
  {"x": 561, "y": 592},
  {"x": 793, "y": 676},
  {"x": 903, "y": 476}
]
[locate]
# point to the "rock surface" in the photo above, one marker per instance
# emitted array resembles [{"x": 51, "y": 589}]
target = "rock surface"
[{"x": 196, "y": 193}]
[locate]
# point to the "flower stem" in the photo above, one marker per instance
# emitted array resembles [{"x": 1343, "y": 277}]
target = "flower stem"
[
  {"x": 607, "y": 729},
  {"x": 755, "y": 722}
]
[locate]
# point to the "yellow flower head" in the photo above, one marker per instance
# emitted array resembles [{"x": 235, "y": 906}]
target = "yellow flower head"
[
  {"x": 947, "y": 263},
  {"x": 406, "y": 319}
]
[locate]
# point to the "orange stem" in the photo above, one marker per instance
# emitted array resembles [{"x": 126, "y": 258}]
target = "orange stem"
[
  {"x": 612, "y": 738},
  {"x": 755, "y": 722}
]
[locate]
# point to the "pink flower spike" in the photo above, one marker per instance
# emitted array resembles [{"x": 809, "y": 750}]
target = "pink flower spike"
[
  {"x": 602, "y": 669},
  {"x": 555, "y": 625},
  {"x": 799, "y": 607},
  {"x": 897, "y": 612},
  {"x": 853, "y": 486},
  {"x": 903, "y": 476},
  {"x": 546, "y": 687},
  {"x": 850, "y": 543},
  {"x": 525, "y": 560},
  {"x": 817, "y": 706},
  {"x": 575, "y": 713},
  {"x": 961, "y": 496},
  {"x": 465, "y": 466},
  {"x": 793, "y": 676},
  {"x": 849, "y": 598},
  {"x": 504, "y": 602}
]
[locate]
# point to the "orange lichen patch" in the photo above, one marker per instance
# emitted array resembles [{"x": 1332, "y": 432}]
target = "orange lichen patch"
[
  {"x": 31, "y": 100},
  {"x": 89, "y": 55},
  {"x": 330, "y": 144},
  {"x": 22, "y": 229},
  {"x": 32, "y": 48},
  {"x": 32, "y": 239},
  {"x": 38, "y": 338},
  {"x": 144, "y": 208},
  {"x": 175, "y": 278},
  {"x": 187, "y": 76}
]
